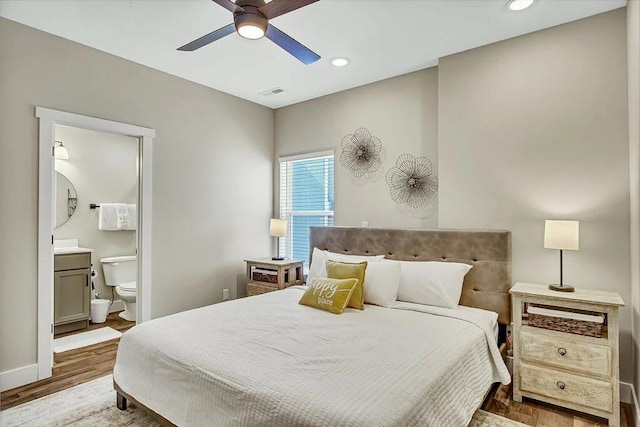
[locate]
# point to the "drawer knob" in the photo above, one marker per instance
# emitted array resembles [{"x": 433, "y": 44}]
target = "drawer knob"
[
  {"x": 562, "y": 351},
  {"x": 560, "y": 385}
]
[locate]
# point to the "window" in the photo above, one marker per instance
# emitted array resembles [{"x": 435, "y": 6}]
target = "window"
[{"x": 306, "y": 199}]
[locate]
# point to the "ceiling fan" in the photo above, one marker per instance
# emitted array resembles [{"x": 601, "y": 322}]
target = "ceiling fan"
[{"x": 251, "y": 21}]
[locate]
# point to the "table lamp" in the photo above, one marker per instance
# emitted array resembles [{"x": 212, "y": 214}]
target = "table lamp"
[
  {"x": 565, "y": 236},
  {"x": 278, "y": 229}
]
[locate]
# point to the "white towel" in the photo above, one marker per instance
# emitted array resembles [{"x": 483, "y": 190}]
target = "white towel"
[
  {"x": 124, "y": 221},
  {"x": 133, "y": 217},
  {"x": 117, "y": 216},
  {"x": 107, "y": 216}
]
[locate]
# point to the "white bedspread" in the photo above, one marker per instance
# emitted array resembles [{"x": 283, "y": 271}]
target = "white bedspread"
[{"x": 268, "y": 361}]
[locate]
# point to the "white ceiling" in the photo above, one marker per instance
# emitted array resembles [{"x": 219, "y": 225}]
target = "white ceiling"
[{"x": 382, "y": 38}]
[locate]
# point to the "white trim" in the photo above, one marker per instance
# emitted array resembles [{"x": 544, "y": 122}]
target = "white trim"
[
  {"x": 93, "y": 123},
  {"x": 628, "y": 395},
  {"x": 636, "y": 407},
  {"x": 17, "y": 377},
  {"x": 48, "y": 119},
  {"x": 305, "y": 156},
  {"x": 45, "y": 250},
  {"x": 625, "y": 392},
  {"x": 143, "y": 298}
]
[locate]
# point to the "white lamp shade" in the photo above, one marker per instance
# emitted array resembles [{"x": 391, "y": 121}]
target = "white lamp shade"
[
  {"x": 60, "y": 152},
  {"x": 278, "y": 228},
  {"x": 563, "y": 235}
]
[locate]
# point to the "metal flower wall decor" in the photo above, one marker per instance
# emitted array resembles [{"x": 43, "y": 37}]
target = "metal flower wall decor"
[
  {"x": 413, "y": 185},
  {"x": 362, "y": 156}
]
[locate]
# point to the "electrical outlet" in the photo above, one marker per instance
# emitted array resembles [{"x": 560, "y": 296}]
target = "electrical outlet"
[
  {"x": 225, "y": 294},
  {"x": 365, "y": 223}
]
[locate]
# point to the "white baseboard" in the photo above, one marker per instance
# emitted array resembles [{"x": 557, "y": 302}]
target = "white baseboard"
[
  {"x": 628, "y": 395},
  {"x": 626, "y": 392},
  {"x": 636, "y": 408},
  {"x": 18, "y": 377},
  {"x": 117, "y": 305}
]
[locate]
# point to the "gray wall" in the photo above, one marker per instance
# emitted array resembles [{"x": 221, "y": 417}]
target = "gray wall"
[
  {"x": 633, "y": 66},
  {"x": 535, "y": 128},
  {"x": 103, "y": 168},
  {"x": 212, "y": 173},
  {"x": 401, "y": 111}
]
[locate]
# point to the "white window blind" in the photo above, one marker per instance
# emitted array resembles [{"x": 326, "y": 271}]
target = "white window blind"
[{"x": 306, "y": 199}]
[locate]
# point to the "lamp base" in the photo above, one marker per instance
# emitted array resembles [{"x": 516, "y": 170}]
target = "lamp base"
[
  {"x": 562, "y": 288},
  {"x": 277, "y": 258}
]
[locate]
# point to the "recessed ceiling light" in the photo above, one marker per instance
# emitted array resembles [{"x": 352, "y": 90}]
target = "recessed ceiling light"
[
  {"x": 519, "y": 4},
  {"x": 340, "y": 62}
]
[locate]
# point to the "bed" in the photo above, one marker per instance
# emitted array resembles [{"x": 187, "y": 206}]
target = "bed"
[{"x": 268, "y": 361}]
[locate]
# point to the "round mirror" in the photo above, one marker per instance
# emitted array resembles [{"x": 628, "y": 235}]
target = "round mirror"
[{"x": 66, "y": 199}]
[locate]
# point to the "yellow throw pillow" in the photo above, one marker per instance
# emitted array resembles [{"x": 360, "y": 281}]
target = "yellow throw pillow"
[
  {"x": 329, "y": 294},
  {"x": 347, "y": 270}
]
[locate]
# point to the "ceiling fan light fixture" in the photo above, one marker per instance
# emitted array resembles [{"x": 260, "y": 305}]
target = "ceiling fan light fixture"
[
  {"x": 251, "y": 21},
  {"x": 251, "y": 26},
  {"x": 517, "y": 5}
]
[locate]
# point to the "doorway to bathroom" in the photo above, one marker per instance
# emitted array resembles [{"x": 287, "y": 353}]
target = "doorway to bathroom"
[{"x": 94, "y": 232}]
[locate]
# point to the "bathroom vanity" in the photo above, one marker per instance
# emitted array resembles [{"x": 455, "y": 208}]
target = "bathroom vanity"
[{"x": 72, "y": 289}]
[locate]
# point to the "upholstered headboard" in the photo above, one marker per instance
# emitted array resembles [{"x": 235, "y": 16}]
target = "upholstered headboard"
[{"x": 486, "y": 286}]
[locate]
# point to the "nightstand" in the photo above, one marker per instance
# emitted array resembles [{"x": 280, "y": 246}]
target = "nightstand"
[
  {"x": 565, "y": 368},
  {"x": 267, "y": 275}
]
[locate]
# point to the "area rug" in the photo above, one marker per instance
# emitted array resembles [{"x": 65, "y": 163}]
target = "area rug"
[
  {"x": 84, "y": 339},
  {"x": 93, "y": 404}
]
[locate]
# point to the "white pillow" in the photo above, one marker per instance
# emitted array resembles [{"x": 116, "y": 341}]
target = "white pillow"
[
  {"x": 432, "y": 282},
  {"x": 381, "y": 283},
  {"x": 318, "y": 263},
  {"x": 319, "y": 258}
]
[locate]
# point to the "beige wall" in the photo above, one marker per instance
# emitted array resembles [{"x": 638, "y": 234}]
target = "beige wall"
[
  {"x": 212, "y": 173},
  {"x": 103, "y": 168},
  {"x": 529, "y": 129},
  {"x": 535, "y": 128},
  {"x": 633, "y": 66},
  {"x": 401, "y": 111}
]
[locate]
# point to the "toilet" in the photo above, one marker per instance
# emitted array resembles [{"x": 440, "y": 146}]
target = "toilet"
[{"x": 122, "y": 272}]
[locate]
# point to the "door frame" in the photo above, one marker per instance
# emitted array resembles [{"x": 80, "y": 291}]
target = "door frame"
[{"x": 48, "y": 118}]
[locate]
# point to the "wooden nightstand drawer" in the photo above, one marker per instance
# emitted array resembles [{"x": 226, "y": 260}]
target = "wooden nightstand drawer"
[
  {"x": 566, "y": 387},
  {"x": 255, "y": 289},
  {"x": 561, "y": 352}
]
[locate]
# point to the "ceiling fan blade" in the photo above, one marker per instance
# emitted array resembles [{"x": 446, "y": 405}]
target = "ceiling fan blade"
[
  {"x": 301, "y": 52},
  {"x": 229, "y": 5},
  {"x": 280, "y": 7},
  {"x": 209, "y": 38}
]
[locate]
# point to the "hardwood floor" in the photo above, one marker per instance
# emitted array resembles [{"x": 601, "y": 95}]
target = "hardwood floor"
[
  {"x": 536, "y": 413},
  {"x": 72, "y": 367},
  {"x": 78, "y": 366}
]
